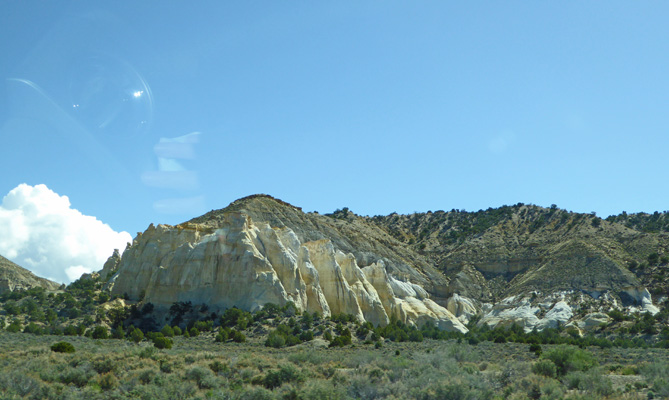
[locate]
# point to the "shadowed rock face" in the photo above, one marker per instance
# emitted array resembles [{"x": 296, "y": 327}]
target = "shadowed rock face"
[
  {"x": 13, "y": 277},
  {"x": 237, "y": 261}
]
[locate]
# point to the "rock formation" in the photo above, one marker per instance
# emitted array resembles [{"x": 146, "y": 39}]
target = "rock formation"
[
  {"x": 247, "y": 264},
  {"x": 533, "y": 266},
  {"x": 13, "y": 277}
]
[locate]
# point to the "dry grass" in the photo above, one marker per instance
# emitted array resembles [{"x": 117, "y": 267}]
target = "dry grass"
[{"x": 200, "y": 368}]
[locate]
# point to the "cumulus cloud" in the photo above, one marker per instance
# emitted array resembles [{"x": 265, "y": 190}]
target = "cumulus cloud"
[{"x": 41, "y": 232}]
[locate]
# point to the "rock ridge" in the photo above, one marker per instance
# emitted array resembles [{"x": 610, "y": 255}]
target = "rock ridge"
[{"x": 239, "y": 262}]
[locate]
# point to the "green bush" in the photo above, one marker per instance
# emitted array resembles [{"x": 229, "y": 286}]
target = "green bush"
[
  {"x": 415, "y": 336},
  {"x": 617, "y": 315},
  {"x": 108, "y": 381},
  {"x": 34, "y": 329},
  {"x": 136, "y": 335},
  {"x": 218, "y": 367},
  {"x": 589, "y": 382},
  {"x": 340, "y": 341},
  {"x": 235, "y": 317},
  {"x": 167, "y": 331},
  {"x": 568, "y": 359},
  {"x": 203, "y": 377},
  {"x": 286, "y": 373},
  {"x": 100, "y": 332},
  {"x": 536, "y": 349},
  {"x": 161, "y": 342},
  {"x": 70, "y": 330},
  {"x": 275, "y": 339},
  {"x": 14, "y": 327},
  {"x": 62, "y": 347},
  {"x": 204, "y": 326},
  {"x": 103, "y": 365},
  {"x": 238, "y": 337},
  {"x": 118, "y": 332},
  {"x": 306, "y": 336},
  {"x": 545, "y": 368},
  {"x": 222, "y": 336}
]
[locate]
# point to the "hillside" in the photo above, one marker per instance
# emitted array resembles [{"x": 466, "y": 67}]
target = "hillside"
[
  {"x": 13, "y": 277},
  {"x": 523, "y": 264},
  {"x": 516, "y": 249}
]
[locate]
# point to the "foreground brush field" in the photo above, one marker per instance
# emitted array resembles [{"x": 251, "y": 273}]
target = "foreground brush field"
[{"x": 201, "y": 368}]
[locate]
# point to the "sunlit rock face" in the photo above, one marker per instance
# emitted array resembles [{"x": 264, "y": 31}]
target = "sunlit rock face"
[{"x": 245, "y": 264}]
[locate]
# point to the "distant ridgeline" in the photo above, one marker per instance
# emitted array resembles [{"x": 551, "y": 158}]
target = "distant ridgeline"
[{"x": 649, "y": 223}]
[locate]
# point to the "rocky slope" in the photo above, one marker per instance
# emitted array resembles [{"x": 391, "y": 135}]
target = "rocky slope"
[
  {"x": 518, "y": 263},
  {"x": 13, "y": 277},
  {"x": 538, "y": 267},
  {"x": 260, "y": 250}
]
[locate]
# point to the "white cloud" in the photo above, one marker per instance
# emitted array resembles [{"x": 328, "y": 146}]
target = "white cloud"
[{"x": 41, "y": 232}]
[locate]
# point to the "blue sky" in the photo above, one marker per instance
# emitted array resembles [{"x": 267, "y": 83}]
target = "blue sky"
[{"x": 143, "y": 112}]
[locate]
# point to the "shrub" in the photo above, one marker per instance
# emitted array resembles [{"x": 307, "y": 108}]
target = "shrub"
[
  {"x": 137, "y": 335},
  {"x": 100, "y": 332},
  {"x": 177, "y": 331},
  {"x": 567, "y": 359},
  {"x": 62, "y": 347},
  {"x": 500, "y": 339},
  {"x": 203, "y": 377},
  {"x": 222, "y": 336},
  {"x": 218, "y": 367},
  {"x": 286, "y": 373},
  {"x": 591, "y": 381},
  {"x": 275, "y": 339},
  {"x": 415, "y": 336},
  {"x": 204, "y": 326},
  {"x": 33, "y": 328},
  {"x": 167, "y": 331},
  {"x": 536, "y": 349},
  {"x": 306, "y": 336},
  {"x": 118, "y": 332},
  {"x": 108, "y": 381},
  {"x": 238, "y": 337},
  {"x": 545, "y": 368},
  {"x": 78, "y": 376},
  {"x": 617, "y": 315},
  {"x": 70, "y": 330},
  {"x": 234, "y": 316},
  {"x": 15, "y": 327},
  {"x": 161, "y": 342}
]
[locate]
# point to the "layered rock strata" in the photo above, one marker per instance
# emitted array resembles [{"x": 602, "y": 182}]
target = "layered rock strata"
[{"x": 247, "y": 264}]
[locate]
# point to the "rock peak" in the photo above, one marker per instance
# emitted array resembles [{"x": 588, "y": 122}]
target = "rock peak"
[{"x": 253, "y": 204}]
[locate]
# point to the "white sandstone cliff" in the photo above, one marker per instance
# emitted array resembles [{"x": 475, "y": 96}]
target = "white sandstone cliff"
[{"x": 247, "y": 264}]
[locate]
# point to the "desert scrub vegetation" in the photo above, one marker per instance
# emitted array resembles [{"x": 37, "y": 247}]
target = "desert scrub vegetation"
[
  {"x": 200, "y": 368},
  {"x": 130, "y": 351}
]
